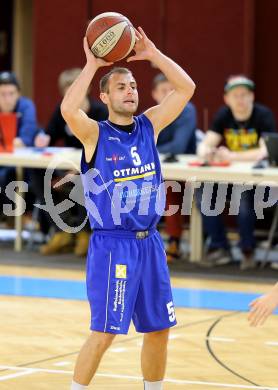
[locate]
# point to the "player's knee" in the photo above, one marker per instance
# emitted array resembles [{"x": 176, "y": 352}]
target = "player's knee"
[
  {"x": 159, "y": 337},
  {"x": 101, "y": 341}
]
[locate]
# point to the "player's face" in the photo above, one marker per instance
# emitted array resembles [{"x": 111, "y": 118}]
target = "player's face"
[
  {"x": 240, "y": 100},
  {"x": 122, "y": 95},
  {"x": 9, "y": 95},
  {"x": 161, "y": 91}
]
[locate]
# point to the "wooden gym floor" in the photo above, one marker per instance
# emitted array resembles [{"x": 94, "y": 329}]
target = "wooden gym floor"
[{"x": 212, "y": 347}]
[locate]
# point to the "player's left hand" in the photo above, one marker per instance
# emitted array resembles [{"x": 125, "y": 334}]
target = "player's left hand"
[
  {"x": 144, "y": 47},
  {"x": 223, "y": 154}
]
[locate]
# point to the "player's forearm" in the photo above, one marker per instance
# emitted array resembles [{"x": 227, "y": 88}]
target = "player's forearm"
[
  {"x": 174, "y": 73},
  {"x": 77, "y": 92}
]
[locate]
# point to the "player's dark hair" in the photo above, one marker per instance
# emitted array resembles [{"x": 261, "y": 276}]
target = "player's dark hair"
[
  {"x": 159, "y": 78},
  {"x": 104, "y": 81}
]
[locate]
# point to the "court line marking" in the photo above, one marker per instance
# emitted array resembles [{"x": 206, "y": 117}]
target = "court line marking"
[
  {"x": 62, "y": 363},
  {"x": 117, "y": 350},
  {"x": 222, "y": 339},
  {"x": 132, "y": 377},
  {"x": 272, "y": 343},
  {"x": 69, "y": 289},
  {"x": 217, "y": 359},
  {"x": 26, "y": 371},
  {"x": 173, "y": 336}
]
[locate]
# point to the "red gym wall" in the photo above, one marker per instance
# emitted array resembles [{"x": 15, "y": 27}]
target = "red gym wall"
[{"x": 211, "y": 39}]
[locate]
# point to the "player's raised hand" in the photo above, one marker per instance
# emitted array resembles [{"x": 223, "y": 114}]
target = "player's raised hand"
[
  {"x": 144, "y": 47},
  {"x": 91, "y": 59},
  {"x": 262, "y": 307}
]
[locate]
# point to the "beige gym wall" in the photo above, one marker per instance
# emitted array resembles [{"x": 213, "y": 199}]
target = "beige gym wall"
[{"x": 23, "y": 45}]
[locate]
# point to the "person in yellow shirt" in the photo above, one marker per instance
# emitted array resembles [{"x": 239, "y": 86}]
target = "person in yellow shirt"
[{"x": 235, "y": 135}]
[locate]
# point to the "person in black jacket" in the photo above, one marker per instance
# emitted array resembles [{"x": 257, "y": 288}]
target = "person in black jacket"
[{"x": 57, "y": 133}]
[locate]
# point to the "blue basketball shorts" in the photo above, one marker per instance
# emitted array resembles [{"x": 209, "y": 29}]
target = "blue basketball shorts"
[{"x": 128, "y": 279}]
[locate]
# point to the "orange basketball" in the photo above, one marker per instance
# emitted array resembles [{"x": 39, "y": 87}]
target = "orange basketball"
[{"x": 111, "y": 36}]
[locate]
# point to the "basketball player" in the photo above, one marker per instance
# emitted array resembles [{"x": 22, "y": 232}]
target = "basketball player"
[
  {"x": 127, "y": 275},
  {"x": 262, "y": 307}
]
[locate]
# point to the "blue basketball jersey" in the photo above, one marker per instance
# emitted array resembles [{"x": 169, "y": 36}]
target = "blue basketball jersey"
[{"x": 124, "y": 188}]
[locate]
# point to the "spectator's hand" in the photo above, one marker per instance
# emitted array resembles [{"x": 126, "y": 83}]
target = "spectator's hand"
[
  {"x": 224, "y": 154},
  {"x": 262, "y": 307},
  {"x": 18, "y": 143},
  {"x": 262, "y": 153},
  {"x": 42, "y": 140},
  {"x": 209, "y": 154},
  {"x": 93, "y": 61}
]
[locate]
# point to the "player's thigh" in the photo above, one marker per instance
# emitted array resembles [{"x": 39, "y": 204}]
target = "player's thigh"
[
  {"x": 154, "y": 309},
  {"x": 113, "y": 272}
]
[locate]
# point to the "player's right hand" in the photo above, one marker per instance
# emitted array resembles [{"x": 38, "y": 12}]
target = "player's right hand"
[
  {"x": 144, "y": 48},
  {"x": 91, "y": 59}
]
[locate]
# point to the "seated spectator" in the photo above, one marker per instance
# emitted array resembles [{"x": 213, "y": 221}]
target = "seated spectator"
[
  {"x": 11, "y": 101},
  {"x": 239, "y": 125},
  {"x": 58, "y": 133},
  {"x": 177, "y": 138}
]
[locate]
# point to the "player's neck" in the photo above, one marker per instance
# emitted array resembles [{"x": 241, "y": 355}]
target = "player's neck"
[{"x": 120, "y": 119}]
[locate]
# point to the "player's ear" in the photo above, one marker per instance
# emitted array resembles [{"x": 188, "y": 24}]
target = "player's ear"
[{"x": 103, "y": 97}]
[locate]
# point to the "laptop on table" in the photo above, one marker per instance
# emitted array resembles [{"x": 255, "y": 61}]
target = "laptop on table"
[{"x": 271, "y": 141}]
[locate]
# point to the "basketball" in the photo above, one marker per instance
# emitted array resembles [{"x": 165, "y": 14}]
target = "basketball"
[{"x": 110, "y": 36}]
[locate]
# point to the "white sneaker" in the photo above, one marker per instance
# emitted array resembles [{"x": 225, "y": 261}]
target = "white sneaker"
[
  {"x": 247, "y": 262},
  {"x": 274, "y": 265},
  {"x": 217, "y": 257}
]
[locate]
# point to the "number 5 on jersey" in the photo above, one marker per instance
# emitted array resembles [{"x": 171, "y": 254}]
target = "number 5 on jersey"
[{"x": 135, "y": 156}]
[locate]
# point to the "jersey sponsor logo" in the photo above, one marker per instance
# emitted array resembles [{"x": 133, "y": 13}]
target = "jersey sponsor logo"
[
  {"x": 135, "y": 192},
  {"x": 112, "y": 327},
  {"x": 115, "y": 158},
  {"x": 134, "y": 172},
  {"x": 119, "y": 298},
  {"x": 120, "y": 271},
  {"x": 114, "y": 139}
]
